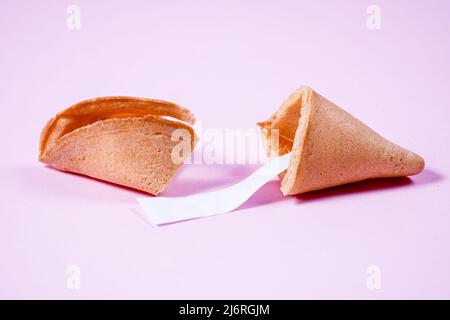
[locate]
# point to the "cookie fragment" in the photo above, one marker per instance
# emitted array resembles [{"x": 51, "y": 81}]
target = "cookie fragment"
[
  {"x": 124, "y": 140},
  {"x": 330, "y": 147}
]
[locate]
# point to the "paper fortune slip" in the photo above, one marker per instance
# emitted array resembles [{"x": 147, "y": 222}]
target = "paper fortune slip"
[{"x": 162, "y": 210}]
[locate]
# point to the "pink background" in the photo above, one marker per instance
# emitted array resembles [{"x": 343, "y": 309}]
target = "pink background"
[{"x": 232, "y": 63}]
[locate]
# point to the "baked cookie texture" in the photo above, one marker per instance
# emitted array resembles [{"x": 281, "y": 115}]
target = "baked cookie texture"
[
  {"x": 124, "y": 140},
  {"x": 329, "y": 146}
]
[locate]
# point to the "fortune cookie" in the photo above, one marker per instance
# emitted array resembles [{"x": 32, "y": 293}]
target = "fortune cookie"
[
  {"x": 329, "y": 146},
  {"x": 124, "y": 140}
]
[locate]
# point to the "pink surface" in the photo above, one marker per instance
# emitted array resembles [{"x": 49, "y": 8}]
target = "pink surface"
[{"x": 232, "y": 63}]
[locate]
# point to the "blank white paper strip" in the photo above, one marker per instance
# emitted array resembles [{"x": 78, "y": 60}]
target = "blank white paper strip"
[{"x": 162, "y": 210}]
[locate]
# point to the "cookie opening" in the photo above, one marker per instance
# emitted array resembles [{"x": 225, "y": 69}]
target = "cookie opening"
[
  {"x": 285, "y": 131},
  {"x": 91, "y": 111}
]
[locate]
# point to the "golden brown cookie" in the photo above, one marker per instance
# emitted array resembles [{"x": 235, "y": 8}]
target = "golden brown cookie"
[
  {"x": 124, "y": 140},
  {"x": 330, "y": 147}
]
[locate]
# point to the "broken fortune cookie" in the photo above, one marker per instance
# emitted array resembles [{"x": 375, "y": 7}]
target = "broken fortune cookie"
[
  {"x": 124, "y": 140},
  {"x": 329, "y": 146}
]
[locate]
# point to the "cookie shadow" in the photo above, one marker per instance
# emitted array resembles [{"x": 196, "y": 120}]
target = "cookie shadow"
[
  {"x": 271, "y": 193},
  {"x": 428, "y": 176},
  {"x": 48, "y": 181}
]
